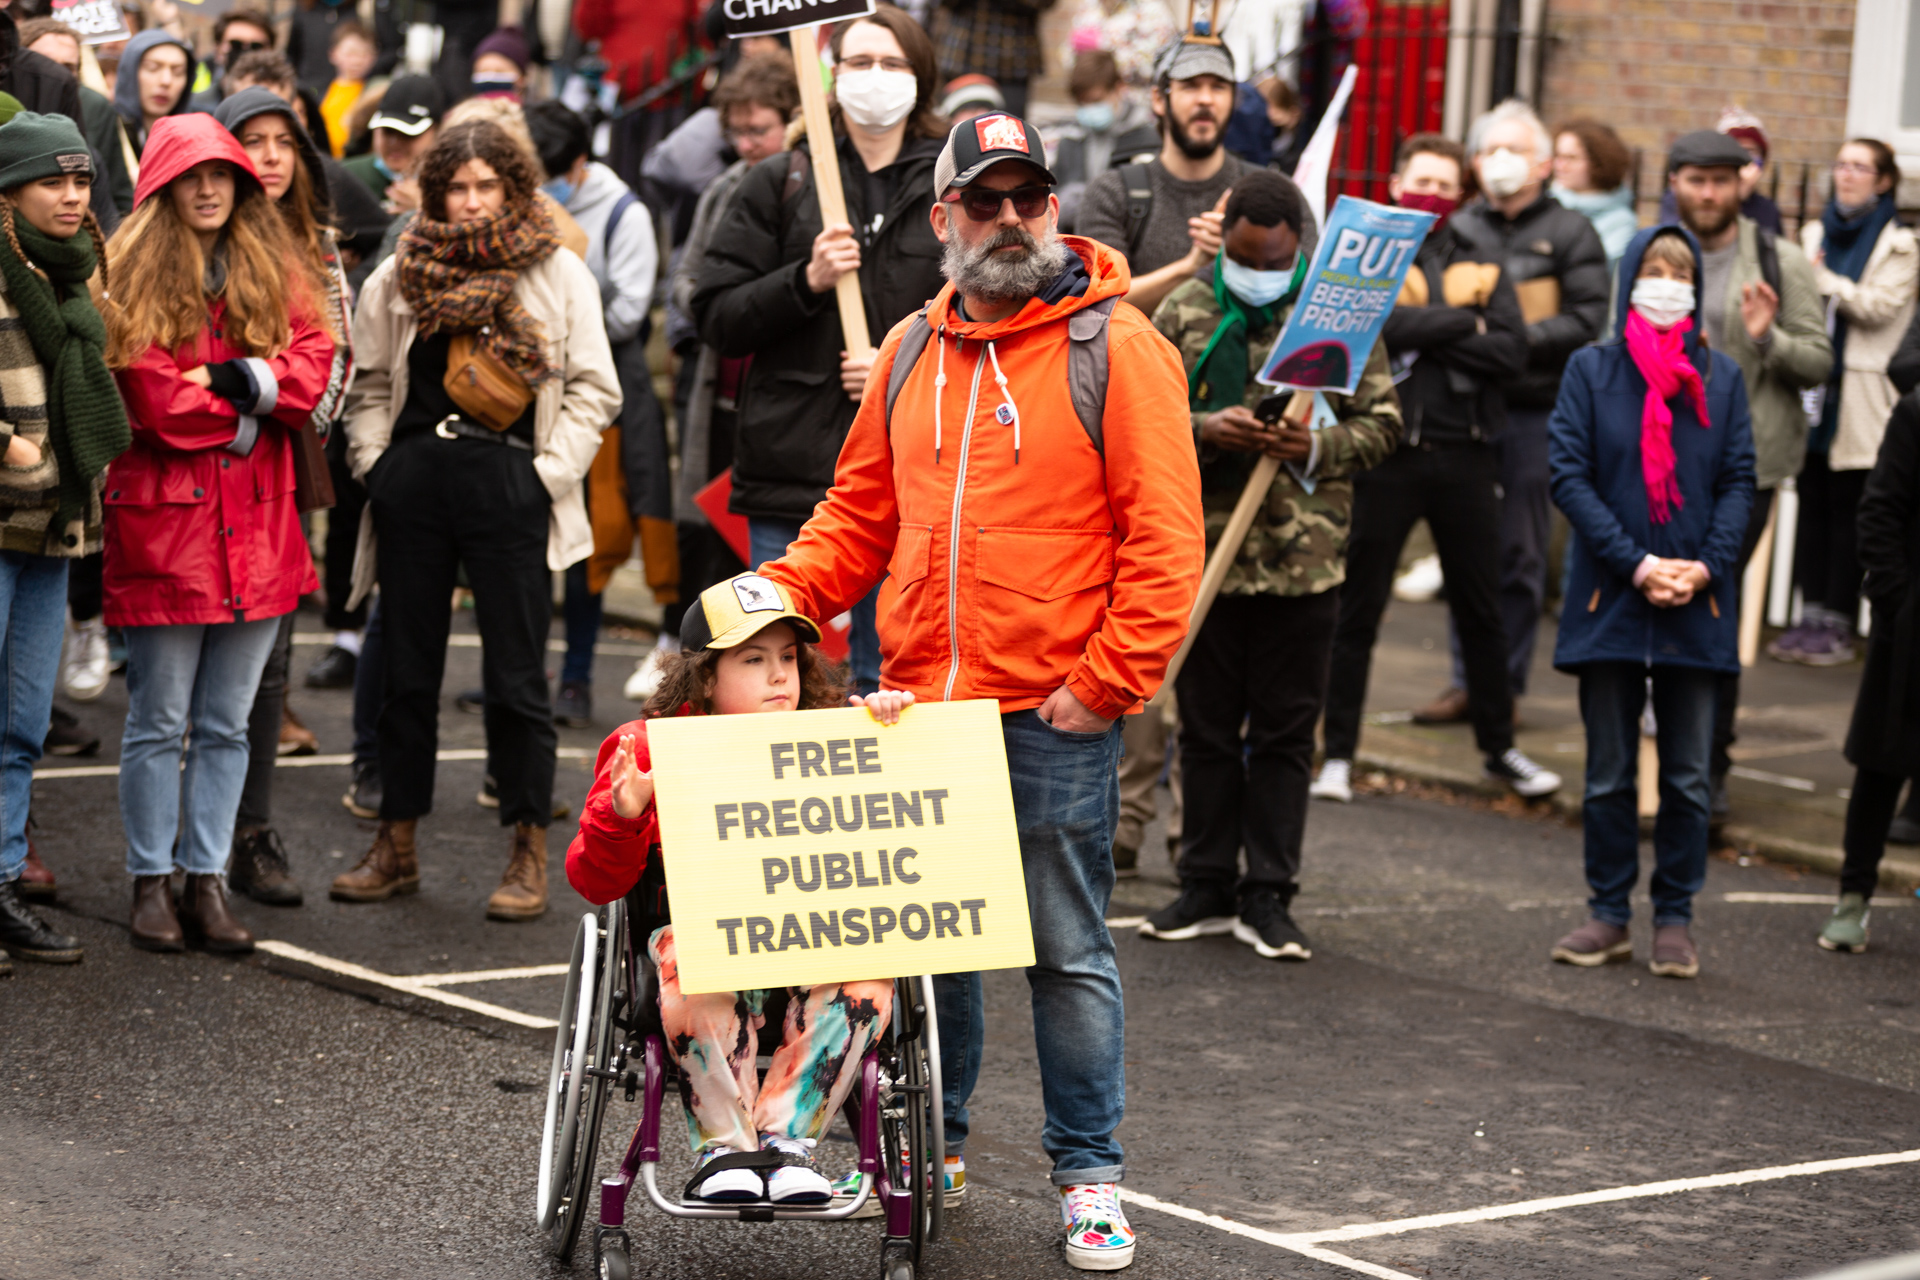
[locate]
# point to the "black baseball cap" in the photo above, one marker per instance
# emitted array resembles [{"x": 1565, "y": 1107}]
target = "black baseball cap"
[
  {"x": 976, "y": 145},
  {"x": 412, "y": 105}
]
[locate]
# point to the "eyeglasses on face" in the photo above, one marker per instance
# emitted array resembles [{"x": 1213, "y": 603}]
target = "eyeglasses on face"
[
  {"x": 983, "y": 204},
  {"x": 752, "y": 131},
  {"x": 1854, "y": 167},
  {"x": 864, "y": 62}
]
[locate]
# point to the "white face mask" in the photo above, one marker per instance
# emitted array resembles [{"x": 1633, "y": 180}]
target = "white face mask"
[
  {"x": 1504, "y": 172},
  {"x": 876, "y": 99},
  {"x": 1664, "y": 303}
]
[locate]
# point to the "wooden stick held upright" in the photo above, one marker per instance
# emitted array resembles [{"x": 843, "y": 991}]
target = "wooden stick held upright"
[
  {"x": 826, "y": 181},
  {"x": 1299, "y": 409}
]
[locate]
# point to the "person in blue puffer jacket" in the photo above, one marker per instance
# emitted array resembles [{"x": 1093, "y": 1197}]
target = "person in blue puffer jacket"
[{"x": 1651, "y": 454}]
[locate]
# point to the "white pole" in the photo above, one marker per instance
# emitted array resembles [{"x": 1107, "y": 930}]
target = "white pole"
[
  {"x": 1786, "y": 519},
  {"x": 1753, "y": 586}
]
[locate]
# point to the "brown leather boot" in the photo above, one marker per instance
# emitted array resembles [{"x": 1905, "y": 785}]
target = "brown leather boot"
[
  {"x": 388, "y": 868},
  {"x": 295, "y": 738},
  {"x": 522, "y": 894},
  {"x": 36, "y": 882},
  {"x": 1449, "y": 708},
  {"x": 155, "y": 926},
  {"x": 208, "y": 920}
]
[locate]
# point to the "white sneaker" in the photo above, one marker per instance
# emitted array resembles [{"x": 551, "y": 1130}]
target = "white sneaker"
[
  {"x": 728, "y": 1185},
  {"x": 1098, "y": 1236},
  {"x": 1334, "y": 783},
  {"x": 645, "y": 680},
  {"x": 1527, "y": 779},
  {"x": 1421, "y": 582},
  {"x": 793, "y": 1183},
  {"x": 84, "y": 673}
]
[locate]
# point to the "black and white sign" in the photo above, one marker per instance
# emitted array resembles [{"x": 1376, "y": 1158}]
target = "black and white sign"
[
  {"x": 770, "y": 17},
  {"x": 97, "y": 21}
]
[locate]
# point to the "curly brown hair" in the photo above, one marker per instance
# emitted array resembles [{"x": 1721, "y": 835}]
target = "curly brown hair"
[
  {"x": 1608, "y": 158},
  {"x": 476, "y": 140},
  {"x": 686, "y": 678}
]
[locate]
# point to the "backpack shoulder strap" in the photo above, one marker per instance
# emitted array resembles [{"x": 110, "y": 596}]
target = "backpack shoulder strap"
[
  {"x": 1087, "y": 332},
  {"x": 1769, "y": 254},
  {"x": 626, "y": 201},
  {"x": 912, "y": 343},
  {"x": 1139, "y": 187}
]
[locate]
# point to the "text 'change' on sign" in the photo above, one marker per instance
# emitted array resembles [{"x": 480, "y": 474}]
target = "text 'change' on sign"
[
  {"x": 767, "y": 17},
  {"x": 820, "y": 846}
]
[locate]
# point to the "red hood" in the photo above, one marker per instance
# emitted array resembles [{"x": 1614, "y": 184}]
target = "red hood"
[
  {"x": 1109, "y": 279},
  {"x": 178, "y": 143}
]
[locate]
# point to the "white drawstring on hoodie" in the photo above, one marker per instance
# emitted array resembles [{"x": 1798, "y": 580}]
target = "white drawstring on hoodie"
[
  {"x": 940, "y": 386},
  {"x": 1006, "y": 395}
]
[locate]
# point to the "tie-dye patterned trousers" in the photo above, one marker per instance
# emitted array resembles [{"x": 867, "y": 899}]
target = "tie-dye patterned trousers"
[{"x": 714, "y": 1038}]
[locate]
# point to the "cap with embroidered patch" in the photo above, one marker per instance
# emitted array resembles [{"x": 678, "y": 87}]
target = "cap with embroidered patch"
[
  {"x": 412, "y": 105},
  {"x": 976, "y": 145},
  {"x": 732, "y": 612}
]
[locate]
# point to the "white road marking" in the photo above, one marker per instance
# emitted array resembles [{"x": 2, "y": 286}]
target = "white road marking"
[
  {"x": 302, "y": 762},
  {"x": 612, "y": 648},
  {"x": 411, "y": 986},
  {"x": 1807, "y": 899},
  {"x": 1773, "y": 779},
  {"x": 486, "y": 975},
  {"x": 1291, "y": 1243},
  {"x": 1310, "y": 1243}
]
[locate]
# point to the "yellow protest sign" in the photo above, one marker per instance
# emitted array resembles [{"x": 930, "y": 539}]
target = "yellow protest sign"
[{"x": 805, "y": 847}]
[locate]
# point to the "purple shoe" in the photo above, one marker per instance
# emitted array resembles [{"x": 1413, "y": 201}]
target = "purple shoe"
[
  {"x": 1789, "y": 644},
  {"x": 1594, "y": 943},
  {"x": 1828, "y": 647}
]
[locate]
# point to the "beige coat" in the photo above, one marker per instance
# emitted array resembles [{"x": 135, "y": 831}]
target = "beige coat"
[
  {"x": 1878, "y": 307},
  {"x": 569, "y": 411}
]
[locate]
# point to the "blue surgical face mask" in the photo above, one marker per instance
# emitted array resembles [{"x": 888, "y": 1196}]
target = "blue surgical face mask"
[
  {"x": 1096, "y": 117},
  {"x": 560, "y": 189},
  {"x": 1261, "y": 288},
  {"x": 385, "y": 170}
]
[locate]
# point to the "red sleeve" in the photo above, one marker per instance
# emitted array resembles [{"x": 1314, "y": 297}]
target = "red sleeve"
[
  {"x": 606, "y": 858},
  {"x": 177, "y": 414}
]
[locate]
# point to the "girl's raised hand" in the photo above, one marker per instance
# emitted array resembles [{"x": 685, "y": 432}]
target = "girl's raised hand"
[
  {"x": 632, "y": 788},
  {"x": 884, "y": 706}
]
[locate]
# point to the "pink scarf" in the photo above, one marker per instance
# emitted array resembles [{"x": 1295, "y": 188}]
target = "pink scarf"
[{"x": 1661, "y": 357}]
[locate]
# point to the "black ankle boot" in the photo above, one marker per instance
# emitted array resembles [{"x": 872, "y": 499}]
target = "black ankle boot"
[
  {"x": 25, "y": 936},
  {"x": 258, "y": 869}
]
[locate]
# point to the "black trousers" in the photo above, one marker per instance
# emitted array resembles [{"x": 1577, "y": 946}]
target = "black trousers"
[
  {"x": 1456, "y": 489},
  {"x": 1259, "y": 661},
  {"x": 343, "y": 536},
  {"x": 85, "y": 596},
  {"x": 263, "y": 733},
  {"x": 439, "y": 504},
  {"x": 1727, "y": 695},
  {"x": 1826, "y": 559},
  {"x": 1869, "y": 813}
]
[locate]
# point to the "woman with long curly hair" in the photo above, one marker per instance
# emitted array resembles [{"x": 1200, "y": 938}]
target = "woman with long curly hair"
[
  {"x": 477, "y": 295},
  {"x": 61, "y": 424},
  {"x": 218, "y": 332},
  {"x": 290, "y": 171}
]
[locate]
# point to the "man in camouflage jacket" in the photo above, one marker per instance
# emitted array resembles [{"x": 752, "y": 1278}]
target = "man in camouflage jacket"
[{"x": 1261, "y": 657}]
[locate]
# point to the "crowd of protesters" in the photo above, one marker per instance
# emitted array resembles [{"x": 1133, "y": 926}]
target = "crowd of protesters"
[{"x": 275, "y": 273}]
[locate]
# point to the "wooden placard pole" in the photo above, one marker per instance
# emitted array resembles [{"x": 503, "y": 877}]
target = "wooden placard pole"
[
  {"x": 826, "y": 181},
  {"x": 1753, "y": 585},
  {"x": 1299, "y": 409}
]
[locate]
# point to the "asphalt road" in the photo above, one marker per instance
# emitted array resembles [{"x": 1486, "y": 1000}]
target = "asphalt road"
[{"x": 193, "y": 1116}]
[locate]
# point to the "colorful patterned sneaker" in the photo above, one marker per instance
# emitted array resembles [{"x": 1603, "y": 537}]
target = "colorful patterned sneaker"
[
  {"x": 1098, "y": 1237},
  {"x": 795, "y": 1183},
  {"x": 956, "y": 1178},
  {"x": 1846, "y": 928},
  {"x": 725, "y": 1186},
  {"x": 847, "y": 1187}
]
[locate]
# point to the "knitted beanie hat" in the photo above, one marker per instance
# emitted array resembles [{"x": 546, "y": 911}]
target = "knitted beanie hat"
[{"x": 41, "y": 146}]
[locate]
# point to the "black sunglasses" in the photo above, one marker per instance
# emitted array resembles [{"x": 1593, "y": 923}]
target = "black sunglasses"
[{"x": 983, "y": 203}]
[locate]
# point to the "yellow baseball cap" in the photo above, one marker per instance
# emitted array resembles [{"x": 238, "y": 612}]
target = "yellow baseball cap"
[{"x": 733, "y": 612}]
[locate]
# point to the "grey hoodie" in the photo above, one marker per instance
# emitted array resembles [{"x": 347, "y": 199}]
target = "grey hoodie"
[
  {"x": 126, "y": 83},
  {"x": 627, "y": 268}
]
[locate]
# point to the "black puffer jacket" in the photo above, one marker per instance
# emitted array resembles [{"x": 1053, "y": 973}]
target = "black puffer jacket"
[
  {"x": 1463, "y": 357},
  {"x": 752, "y": 299},
  {"x": 1545, "y": 239}
]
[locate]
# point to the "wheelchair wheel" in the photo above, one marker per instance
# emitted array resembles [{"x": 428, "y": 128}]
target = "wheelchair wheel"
[
  {"x": 576, "y": 1095},
  {"x": 913, "y": 1138}
]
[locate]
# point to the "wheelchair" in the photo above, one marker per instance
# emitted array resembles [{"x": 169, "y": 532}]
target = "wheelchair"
[{"x": 610, "y": 1041}]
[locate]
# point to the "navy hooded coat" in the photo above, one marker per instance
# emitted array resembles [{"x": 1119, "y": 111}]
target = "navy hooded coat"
[{"x": 1594, "y": 456}]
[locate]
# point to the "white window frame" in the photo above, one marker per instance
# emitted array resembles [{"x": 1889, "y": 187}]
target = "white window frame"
[{"x": 1880, "y": 32}]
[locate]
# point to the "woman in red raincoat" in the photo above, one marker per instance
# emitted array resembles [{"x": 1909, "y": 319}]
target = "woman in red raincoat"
[{"x": 219, "y": 338}]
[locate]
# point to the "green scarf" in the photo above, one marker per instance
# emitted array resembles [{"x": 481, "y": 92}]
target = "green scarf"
[{"x": 86, "y": 422}]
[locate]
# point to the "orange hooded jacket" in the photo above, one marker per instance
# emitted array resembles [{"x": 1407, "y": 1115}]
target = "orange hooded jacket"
[{"x": 1021, "y": 559}]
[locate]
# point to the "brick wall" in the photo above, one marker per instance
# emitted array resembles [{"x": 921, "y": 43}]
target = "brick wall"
[{"x": 1655, "y": 69}]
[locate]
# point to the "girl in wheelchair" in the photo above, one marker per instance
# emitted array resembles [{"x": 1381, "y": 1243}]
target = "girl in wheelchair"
[{"x": 745, "y": 650}]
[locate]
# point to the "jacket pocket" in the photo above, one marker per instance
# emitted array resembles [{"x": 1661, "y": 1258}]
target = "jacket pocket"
[
  {"x": 1045, "y": 564},
  {"x": 157, "y": 482},
  {"x": 1041, "y": 594},
  {"x": 912, "y": 554}
]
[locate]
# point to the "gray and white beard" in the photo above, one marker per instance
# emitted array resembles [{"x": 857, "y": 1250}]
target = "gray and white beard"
[{"x": 977, "y": 271}]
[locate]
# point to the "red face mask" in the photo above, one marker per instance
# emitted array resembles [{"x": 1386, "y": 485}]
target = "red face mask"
[{"x": 1426, "y": 202}]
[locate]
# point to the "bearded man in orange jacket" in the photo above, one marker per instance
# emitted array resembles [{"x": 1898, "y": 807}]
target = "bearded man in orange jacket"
[{"x": 1040, "y": 552}]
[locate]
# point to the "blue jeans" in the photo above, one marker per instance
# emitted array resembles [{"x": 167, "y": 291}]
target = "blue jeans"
[
  {"x": 582, "y": 609},
  {"x": 1611, "y": 697},
  {"x": 767, "y": 540},
  {"x": 1066, "y": 801},
  {"x": 189, "y": 689},
  {"x": 33, "y": 610}
]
